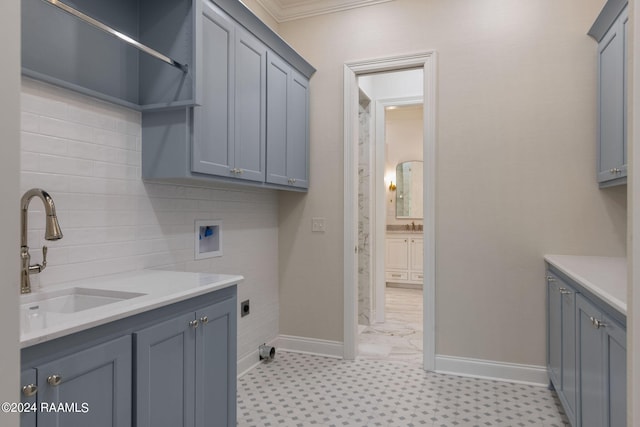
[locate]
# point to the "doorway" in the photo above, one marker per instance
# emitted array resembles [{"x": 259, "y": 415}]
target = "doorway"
[{"x": 352, "y": 98}]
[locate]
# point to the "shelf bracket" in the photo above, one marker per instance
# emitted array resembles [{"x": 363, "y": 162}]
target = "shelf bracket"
[{"x": 107, "y": 29}]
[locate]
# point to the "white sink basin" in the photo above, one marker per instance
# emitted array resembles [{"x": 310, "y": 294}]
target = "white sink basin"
[{"x": 71, "y": 300}]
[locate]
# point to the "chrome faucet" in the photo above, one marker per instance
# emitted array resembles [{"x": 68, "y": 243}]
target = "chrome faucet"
[{"x": 52, "y": 232}]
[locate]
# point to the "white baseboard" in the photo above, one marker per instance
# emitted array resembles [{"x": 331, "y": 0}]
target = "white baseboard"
[
  {"x": 248, "y": 362},
  {"x": 489, "y": 369},
  {"x": 309, "y": 346}
]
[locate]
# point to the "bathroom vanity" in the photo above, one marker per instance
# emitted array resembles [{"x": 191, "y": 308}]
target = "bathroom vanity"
[
  {"x": 586, "y": 337},
  {"x": 150, "y": 348}
]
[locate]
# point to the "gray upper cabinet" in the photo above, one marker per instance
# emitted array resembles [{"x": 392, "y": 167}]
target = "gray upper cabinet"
[
  {"x": 252, "y": 125},
  {"x": 611, "y": 32},
  {"x": 229, "y": 138},
  {"x": 213, "y": 151},
  {"x": 61, "y": 49},
  {"x": 287, "y": 125},
  {"x": 99, "y": 376}
]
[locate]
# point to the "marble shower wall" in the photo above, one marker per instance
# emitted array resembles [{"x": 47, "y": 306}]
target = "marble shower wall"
[{"x": 365, "y": 287}]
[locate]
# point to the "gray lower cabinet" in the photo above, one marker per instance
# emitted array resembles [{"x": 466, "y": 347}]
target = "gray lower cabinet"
[
  {"x": 612, "y": 95},
  {"x": 173, "y": 366},
  {"x": 586, "y": 354},
  {"x": 561, "y": 349},
  {"x": 99, "y": 377},
  {"x": 186, "y": 370},
  {"x": 287, "y": 124},
  {"x": 29, "y": 381},
  {"x": 602, "y": 367}
]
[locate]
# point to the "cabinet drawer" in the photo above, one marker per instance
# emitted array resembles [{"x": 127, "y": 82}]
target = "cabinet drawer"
[
  {"x": 416, "y": 276},
  {"x": 397, "y": 275}
]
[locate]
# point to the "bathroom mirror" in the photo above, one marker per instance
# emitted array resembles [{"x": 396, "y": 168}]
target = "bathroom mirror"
[{"x": 409, "y": 189}]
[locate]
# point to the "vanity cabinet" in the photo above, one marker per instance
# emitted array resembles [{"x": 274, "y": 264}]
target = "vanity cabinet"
[
  {"x": 186, "y": 370},
  {"x": 252, "y": 126},
  {"x": 611, "y": 32},
  {"x": 404, "y": 259},
  {"x": 586, "y": 353},
  {"x": 173, "y": 366}
]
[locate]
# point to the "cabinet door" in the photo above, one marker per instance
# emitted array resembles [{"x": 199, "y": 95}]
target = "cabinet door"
[
  {"x": 287, "y": 125},
  {"x": 28, "y": 379},
  {"x": 554, "y": 332},
  {"x": 278, "y": 75},
  {"x": 213, "y": 151},
  {"x": 165, "y": 374},
  {"x": 298, "y": 131},
  {"x": 99, "y": 376},
  {"x": 250, "y": 104},
  {"x": 591, "y": 366},
  {"x": 569, "y": 381},
  {"x": 216, "y": 365},
  {"x": 616, "y": 372},
  {"x": 397, "y": 253},
  {"x": 612, "y": 162},
  {"x": 417, "y": 254}
]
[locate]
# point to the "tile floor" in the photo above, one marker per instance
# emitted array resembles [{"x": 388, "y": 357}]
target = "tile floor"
[
  {"x": 306, "y": 390},
  {"x": 399, "y": 338}
]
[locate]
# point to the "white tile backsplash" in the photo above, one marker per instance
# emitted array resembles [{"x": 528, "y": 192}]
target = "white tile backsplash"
[{"x": 86, "y": 153}]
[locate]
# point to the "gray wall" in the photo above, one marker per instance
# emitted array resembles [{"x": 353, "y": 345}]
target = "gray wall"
[
  {"x": 9, "y": 244},
  {"x": 515, "y": 165}
]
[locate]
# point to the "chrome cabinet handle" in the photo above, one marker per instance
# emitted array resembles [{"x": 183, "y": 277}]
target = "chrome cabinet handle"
[
  {"x": 194, "y": 324},
  {"x": 54, "y": 380},
  {"x": 29, "y": 390},
  {"x": 597, "y": 323},
  {"x": 565, "y": 292},
  {"x": 204, "y": 320},
  {"x": 550, "y": 279}
]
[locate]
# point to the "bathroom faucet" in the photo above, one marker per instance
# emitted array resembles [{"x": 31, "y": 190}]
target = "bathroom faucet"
[{"x": 52, "y": 232}]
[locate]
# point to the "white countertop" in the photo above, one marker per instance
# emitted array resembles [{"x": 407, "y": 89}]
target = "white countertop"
[
  {"x": 159, "y": 288},
  {"x": 606, "y": 277}
]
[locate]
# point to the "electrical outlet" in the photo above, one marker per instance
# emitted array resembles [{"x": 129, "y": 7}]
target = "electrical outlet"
[
  {"x": 244, "y": 308},
  {"x": 317, "y": 225}
]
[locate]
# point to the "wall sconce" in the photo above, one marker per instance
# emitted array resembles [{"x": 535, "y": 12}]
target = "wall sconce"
[{"x": 392, "y": 186}]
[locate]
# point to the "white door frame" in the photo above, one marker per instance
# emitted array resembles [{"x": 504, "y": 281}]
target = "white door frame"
[
  {"x": 379, "y": 200},
  {"x": 427, "y": 61}
]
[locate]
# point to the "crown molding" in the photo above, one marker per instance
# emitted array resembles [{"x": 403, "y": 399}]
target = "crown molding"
[{"x": 307, "y": 8}]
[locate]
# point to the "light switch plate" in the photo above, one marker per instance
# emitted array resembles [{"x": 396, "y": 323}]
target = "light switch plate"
[{"x": 318, "y": 225}]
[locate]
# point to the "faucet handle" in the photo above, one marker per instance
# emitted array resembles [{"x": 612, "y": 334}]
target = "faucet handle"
[{"x": 37, "y": 268}]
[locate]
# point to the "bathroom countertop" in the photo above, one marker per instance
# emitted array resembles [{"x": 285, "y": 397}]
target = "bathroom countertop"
[
  {"x": 157, "y": 289},
  {"x": 605, "y": 277}
]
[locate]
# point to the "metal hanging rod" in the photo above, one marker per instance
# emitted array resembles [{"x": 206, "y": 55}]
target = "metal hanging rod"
[{"x": 107, "y": 29}]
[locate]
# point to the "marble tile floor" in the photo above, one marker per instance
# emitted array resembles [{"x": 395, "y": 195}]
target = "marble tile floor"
[
  {"x": 399, "y": 338},
  {"x": 300, "y": 390}
]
